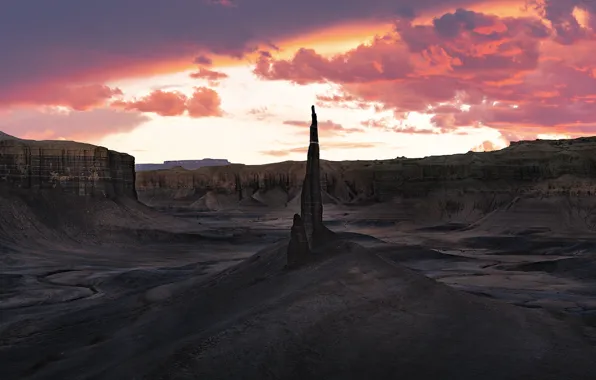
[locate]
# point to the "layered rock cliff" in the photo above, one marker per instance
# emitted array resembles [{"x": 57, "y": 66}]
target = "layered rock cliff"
[
  {"x": 461, "y": 188},
  {"x": 545, "y": 166},
  {"x": 71, "y": 167},
  {"x": 63, "y": 193}
]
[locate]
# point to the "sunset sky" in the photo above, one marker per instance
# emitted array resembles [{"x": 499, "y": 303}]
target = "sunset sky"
[{"x": 189, "y": 79}]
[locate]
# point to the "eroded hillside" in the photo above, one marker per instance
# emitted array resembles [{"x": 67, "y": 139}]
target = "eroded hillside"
[{"x": 65, "y": 191}]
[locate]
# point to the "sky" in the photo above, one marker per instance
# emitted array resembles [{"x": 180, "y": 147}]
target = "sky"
[{"x": 235, "y": 79}]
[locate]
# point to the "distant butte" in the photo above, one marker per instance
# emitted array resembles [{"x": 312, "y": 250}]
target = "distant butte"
[{"x": 185, "y": 164}]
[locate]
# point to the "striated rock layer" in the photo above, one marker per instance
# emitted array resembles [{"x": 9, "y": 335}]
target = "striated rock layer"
[
  {"x": 63, "y": 193},
  {"x": 544, "y": 166},
  {"x": 553, "y": 178},
  {"x": 73, "y": 168}
]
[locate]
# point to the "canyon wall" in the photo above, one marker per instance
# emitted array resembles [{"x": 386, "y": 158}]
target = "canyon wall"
[
  {"x": 548, "y": 185},
  {"x": 74, "y": 168},
  {"x": 63, "y": 194},
  {"x": 541, "y": 166}
]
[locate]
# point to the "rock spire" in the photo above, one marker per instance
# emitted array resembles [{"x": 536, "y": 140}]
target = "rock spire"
[{"x": 308, "y": 230}]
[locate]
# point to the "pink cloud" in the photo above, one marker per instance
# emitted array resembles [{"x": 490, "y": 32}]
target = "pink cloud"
[
  {"x": 204, "y": 102},
  {"x": 77, "y": 97},
  {"x": 213, "y": 77},
  {"x": 503, "y": 68},
  {"x": 71, "y": 125}
]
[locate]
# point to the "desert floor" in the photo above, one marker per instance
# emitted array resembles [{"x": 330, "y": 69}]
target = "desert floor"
[{"x": 158, "y": 306}]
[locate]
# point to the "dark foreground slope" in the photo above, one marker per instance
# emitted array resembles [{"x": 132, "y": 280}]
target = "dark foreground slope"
[{"x": 352, "y": 315}]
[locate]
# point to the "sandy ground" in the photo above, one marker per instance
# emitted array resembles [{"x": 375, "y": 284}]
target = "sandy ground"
[{"x": 183, "y": 303}]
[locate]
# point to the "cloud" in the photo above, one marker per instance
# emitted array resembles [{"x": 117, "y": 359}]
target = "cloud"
[
  {"x": 328, "y": 146},
  {"x": 261, "y": 113},
  {"x": 463, "y": 45},
  {"x": 77, "y": 97},
  {"x": 69, "y": 42},
  {"x": 465, "y": 68},
  {"x": 326, "y": 128},
  {"x": 486, "y": 146},
  {"x": 71, "y": 125},
  {"x": 284, "y": 152},
  {"x": 562, "y": 14},
  {"x": 344, "y": 101},
  {"x": 203, "y": 60},
  {"x": 383, "y": 62},
  {"x": 213, "y": 77},
  {"x": 204, "y": 102},
  {"x": 399, "y": 126},
  {"x": 161, "y": 102}
]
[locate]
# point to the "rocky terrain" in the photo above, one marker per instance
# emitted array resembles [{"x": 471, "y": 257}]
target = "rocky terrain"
[
  {"x": 479, "y": 265},
  {"x": 463, "y": 188}
]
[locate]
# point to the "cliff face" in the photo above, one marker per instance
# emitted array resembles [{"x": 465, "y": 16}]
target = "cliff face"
[
  {"x": 74, "y": 168},
  {"x": 557, "y": 166}
]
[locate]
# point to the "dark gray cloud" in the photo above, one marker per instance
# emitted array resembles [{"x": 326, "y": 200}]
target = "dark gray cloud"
[{"x": 65, "y": 40}]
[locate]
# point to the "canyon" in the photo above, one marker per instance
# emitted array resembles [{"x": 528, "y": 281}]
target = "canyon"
[
  {"x": 481, "y": 264},
  {"x": 462, "y": 188}
]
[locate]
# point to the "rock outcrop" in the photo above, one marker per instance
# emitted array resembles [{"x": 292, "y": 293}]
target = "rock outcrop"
[
  {"x": 74, "y": 168},
  {"x": 308, "y": 230},
  {"x": 64, "y": 194},
  {"x": 298, "y": 252},
  {"x": 311, "y": 200}
]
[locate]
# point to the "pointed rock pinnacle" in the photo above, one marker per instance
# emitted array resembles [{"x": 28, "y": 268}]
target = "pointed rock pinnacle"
[{"x": 310, "y": 220}]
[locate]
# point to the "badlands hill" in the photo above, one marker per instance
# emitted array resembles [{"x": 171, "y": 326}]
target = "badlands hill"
[{"x": 500, "y": 189}]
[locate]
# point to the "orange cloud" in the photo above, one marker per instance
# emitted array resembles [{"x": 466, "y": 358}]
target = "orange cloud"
[
  {"x": 163, "y": 103},
  {"x": 204, "y": 102},
  {"x": 213, "y": 77},
  {"x": 81, "y": 97},
  {"x": 52, "y": 51},
  {"x": 53, "y": 124},
  {"x": 509, "y": 72}
]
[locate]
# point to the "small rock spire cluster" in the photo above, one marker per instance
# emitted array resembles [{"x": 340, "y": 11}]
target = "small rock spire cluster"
[{"x": 308, "y": 231}]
